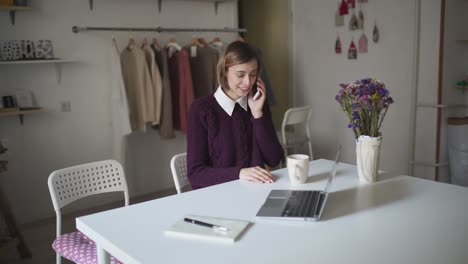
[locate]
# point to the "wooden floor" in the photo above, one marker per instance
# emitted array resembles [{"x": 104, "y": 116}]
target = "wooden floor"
[{"x": 40, "y": 235}]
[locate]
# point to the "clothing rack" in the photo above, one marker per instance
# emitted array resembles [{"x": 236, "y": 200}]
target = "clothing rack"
[{"x": 77, "y": 29}]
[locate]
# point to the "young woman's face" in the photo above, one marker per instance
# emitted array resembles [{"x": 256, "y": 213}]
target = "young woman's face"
[{"x": 241, "y": 78}]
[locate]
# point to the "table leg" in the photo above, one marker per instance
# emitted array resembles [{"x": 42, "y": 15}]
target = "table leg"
[{"x": 103, "y": 256}]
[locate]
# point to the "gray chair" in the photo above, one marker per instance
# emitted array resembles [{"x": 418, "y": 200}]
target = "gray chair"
[
  {"x": 179, "y": 172},
  {"x": 73, "y": 183},
  {"x": 295, "y": 129}
]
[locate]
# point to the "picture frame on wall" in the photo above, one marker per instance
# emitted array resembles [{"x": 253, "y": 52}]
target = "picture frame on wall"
[{"x": 25, "y": 99}]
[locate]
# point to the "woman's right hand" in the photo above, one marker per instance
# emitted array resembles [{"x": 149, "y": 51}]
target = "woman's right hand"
[{"x": 256, "y": 174}]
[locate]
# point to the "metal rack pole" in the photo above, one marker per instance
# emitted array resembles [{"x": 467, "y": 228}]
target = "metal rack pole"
[{"x": 77, "y": 29}]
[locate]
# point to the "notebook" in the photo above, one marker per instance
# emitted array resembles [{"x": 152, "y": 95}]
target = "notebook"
[
  {"x": 298, "y": 205},
  {"x": 185, "y": 229}
]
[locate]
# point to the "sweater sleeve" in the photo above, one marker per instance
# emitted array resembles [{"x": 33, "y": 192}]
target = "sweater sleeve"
[
  {"x": 266, "y": 138},
  {"x": 201, "y": 172}
]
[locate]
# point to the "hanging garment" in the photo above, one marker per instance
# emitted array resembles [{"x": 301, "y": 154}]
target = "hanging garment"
[
  {"x": 138, "y": 85},
  {"x": 351, "y": 3},
  {"x": 218, "y": 45},
  {"x": 353, "y": 22},
  {"x": 155, "y": 81},
  {"x": 343, "y": 8},
  {"x": 339, "y": 19},
  {"x": 120, "y": 113},
  {"x": 181, "y": 87},
  {"x": 166, "y": 127},
  {"x": 360, "y": 20},
  {"x": 338, "y": 45},
  {"x": 362, "y": 1},
  {"x": 362, "y": 44},
  {"x": 203, "y": 69},
  {"x": 375, "y": 34},
  {"x": 352, "y": 52}
]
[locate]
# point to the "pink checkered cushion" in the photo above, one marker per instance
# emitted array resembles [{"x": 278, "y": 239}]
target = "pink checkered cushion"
[{"x": 78, "y": 248}]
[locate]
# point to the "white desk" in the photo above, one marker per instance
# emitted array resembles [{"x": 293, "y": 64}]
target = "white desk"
[{"x": 397, "y": 220}]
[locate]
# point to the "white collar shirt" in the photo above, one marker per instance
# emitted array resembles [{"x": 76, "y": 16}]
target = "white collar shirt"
[{"x": 227, "y": 103}]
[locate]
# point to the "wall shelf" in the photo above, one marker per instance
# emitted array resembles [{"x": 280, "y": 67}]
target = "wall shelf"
[
  {"x": 13, "y": 9},
  {"x": 429, "y": 105},
  {"x": 57, "y": 62},
  {"x": 21, "y": 112},
  {"x": 215, "y": 3},
  {"x": 35, "y": 61}
]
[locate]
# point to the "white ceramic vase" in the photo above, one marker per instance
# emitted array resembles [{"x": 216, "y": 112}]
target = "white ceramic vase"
[{"x": 367, "y": 157}]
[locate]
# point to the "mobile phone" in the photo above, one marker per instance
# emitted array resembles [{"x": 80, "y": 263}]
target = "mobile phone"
[
  {"x": 256, "y": 96},
  {"x": 256, "y": 92}
]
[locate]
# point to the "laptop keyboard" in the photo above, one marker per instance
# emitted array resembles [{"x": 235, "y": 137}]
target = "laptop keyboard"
[{"x": 301, "y": 204}]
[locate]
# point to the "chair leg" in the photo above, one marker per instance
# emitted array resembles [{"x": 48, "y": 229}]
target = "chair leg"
[
  {"x": 12, "y": 226},
  {"x": 23, "y": 249},
  {"x": 103, "y": 256}
]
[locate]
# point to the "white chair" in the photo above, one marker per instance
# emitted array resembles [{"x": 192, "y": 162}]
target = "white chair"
[
  {"x": 295, "y": 129},
  {"x": 179, "y": 172},
  {"x": 70, "y": 184}
]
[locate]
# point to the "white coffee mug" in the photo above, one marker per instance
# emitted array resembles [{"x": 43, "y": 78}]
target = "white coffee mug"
[{"x": 298, "y": 168}]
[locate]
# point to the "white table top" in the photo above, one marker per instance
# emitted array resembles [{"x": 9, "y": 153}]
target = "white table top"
[{"x": 396, "y": 220}]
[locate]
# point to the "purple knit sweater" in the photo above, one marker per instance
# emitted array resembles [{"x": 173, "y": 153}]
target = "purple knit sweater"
[{"x": 219, "y": 145}]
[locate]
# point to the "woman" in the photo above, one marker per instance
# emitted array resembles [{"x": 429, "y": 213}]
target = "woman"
[{"x": 231, "y": 136}]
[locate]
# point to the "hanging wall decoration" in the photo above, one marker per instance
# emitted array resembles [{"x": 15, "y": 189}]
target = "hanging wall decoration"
[
  {"x": 353, "y": 22},
  {"x": 338, "y": 45},
  {"x": 339, "y": 19},
  {"x": 343, "y": 8},
  {"x": 351, "y": 3},
  {"x": 352, "y": 52},
  {"x": 362, "y": 44},
  {"x": 360, "y": 19},
  {"x": 375, "y": 34}
]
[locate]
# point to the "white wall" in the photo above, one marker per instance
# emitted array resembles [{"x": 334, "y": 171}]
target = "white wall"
[
  {"x": 53, "y": 140},
  {"x": 428, "y": 75},
  {"x": 318, "y": 71},
  {"x": 455, "y": 68}
]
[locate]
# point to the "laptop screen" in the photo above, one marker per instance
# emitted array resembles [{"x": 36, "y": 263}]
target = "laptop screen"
[{"x": 333, "y": 171}]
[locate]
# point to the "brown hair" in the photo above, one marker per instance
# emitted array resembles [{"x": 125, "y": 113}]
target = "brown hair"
[{"x": 238, "y": 52}]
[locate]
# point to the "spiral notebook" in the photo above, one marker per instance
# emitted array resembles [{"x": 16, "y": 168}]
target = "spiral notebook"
[{"x": 183, "y": 229}]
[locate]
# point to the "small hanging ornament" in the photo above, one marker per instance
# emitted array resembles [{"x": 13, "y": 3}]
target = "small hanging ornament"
[
  {"x": 338, "y": 45},
  {"x": 339, "y": 19},
  {"x": 352, "y": 51},
  {"x": 351, "y": 3},
  {"x": 362, "y": 44},
  {"x": 360, "y": 19},
  {"x": 353, "y": 22},
  {"x": 375, "y": 34},
  {"x": 343, "y": 8}
]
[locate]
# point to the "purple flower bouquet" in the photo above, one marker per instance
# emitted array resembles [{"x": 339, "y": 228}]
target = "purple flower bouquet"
[{"x": 365, "y": 102}]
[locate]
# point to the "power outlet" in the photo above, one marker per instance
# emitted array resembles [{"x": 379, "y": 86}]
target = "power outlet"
[{"x": 65, "y": 106}]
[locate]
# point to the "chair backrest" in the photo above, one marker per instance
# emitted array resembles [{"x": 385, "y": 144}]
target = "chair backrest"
[
  {"x": 179, "y": 171},
  {"x": 297, "y": 116},
  {"x": 70, "y": 184}
]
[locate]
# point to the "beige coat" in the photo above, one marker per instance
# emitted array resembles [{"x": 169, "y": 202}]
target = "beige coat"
[
  {"x": 138, "y": 85},
  {"x": 155, "y": 81}
]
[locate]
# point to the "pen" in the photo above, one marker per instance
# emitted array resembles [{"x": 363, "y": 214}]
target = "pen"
[{"x": 215, "y": 227}]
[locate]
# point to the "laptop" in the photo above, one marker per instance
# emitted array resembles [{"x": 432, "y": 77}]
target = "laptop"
[{"x": 305, "y": 205}]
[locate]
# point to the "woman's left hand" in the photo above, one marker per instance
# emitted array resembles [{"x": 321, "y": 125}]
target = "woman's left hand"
[{"x": 257, "y": 105}]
